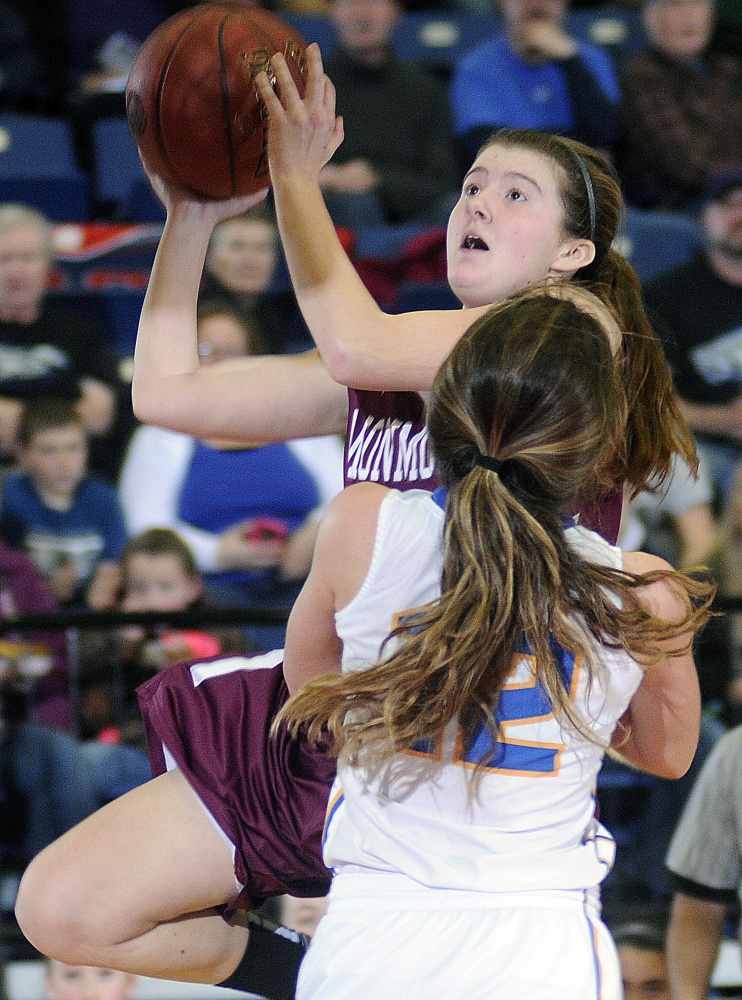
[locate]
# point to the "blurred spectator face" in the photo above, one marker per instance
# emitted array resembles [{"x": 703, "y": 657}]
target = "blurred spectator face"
[
  {"x": 644, "y": 974},
  {"x": 303, "y": 915},
  {"x": 722, "y": 223},
  {"x": 158, "y": 583},
  {"x": 221, "y": 337},
  {"x": 56, "y": 459},
  {"x": 24, "y": 268},
  {"x": 517, "y": 14},
  {"x": 365, "y": 27},
  {"x": 242, "y": 255},
  {"x": 680, "y": 29},
  {"x": 83, "y": 982}
]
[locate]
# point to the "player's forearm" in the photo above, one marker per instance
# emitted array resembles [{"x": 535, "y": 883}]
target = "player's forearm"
[
  {"x": 166, "y": 348},
  {"x": 664, "y": 719},
  {"x": 341, "y": 315},
  {"x": 693, "y": 940}
]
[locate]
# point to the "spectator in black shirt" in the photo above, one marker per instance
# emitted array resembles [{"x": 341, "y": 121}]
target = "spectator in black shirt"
[{"x": 46, "y": 350}]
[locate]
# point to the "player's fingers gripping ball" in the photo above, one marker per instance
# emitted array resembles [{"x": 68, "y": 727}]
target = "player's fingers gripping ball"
[{"x": 191, "y": 99}]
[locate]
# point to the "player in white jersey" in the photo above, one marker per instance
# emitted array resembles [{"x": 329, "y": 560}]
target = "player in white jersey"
[
  {"x": 462, "y": 826},
  {"x": 146, "y": 883}
]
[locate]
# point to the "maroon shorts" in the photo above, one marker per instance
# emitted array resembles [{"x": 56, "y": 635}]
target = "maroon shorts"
[{"x": 268, "y": 794}]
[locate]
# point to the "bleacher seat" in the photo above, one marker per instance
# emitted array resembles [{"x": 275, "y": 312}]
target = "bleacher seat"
[
  {"x": 656, "y": 241},
  {"x": 124, "y": 305},
  {"x": 438, "y": 38},
  {"x": 619, "y": 29},
  {"x": 38, "y": 166},
  {"x": 313, "y": 28},
  {"x": 116, "y": 164}
]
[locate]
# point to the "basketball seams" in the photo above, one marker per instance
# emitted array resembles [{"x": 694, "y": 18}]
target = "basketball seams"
[
  {"x": 193, "y": 81},
  {"x": 196, "y": 15},
  {"x": 226, "y": 106}
]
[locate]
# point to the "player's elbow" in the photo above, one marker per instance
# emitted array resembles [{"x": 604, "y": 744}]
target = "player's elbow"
[
  {"x": 147, "y": 401},
  {"x": 345, "y": 366}
]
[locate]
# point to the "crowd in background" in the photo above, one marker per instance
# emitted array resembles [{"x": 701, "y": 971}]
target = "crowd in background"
[{"x": 98, "y": 513}]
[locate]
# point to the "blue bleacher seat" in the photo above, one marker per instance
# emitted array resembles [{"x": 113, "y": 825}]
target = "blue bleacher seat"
[
  {"x": 619, "y": 29},
  {"x": 112, "y": 308},
  {"x": 117, "y": 167},
  {"x": 656, "y": 241},
  {"x": 438, "y": 40},
  {"x": 142, "y": 204},
  {"x": 313, "y": 28},
  {"x": 38, "y": 166}
]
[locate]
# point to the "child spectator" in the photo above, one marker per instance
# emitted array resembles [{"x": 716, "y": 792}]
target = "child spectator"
[
  {"x": 69, "y": 522},
  {"x": 158, "y": 573},
  {"x": 83, "y": 982},
  {"x": 640, "y": 940},
  {"x": 249, "y": 514}
]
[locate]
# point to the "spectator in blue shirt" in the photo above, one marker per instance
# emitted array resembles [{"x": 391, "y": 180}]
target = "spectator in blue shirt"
[
  {"x": 69, "y": 522},
  {"x": 533, "y": 74}
]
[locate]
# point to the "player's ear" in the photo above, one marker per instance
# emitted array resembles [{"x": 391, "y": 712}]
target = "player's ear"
[{"x": 572, "y": 255}]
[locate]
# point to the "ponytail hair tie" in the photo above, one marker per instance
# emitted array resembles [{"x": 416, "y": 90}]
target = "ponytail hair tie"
[{"x": 489, "y": 462}]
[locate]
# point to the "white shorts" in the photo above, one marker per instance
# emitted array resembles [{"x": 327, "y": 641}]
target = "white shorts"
[{"x": 390, "y": 945}]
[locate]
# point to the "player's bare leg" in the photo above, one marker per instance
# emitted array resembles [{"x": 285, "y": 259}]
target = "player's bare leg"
[{"x": 135, "y": 886}]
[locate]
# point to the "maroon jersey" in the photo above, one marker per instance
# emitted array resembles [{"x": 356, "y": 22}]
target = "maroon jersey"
[
  {"x": 387, "y": 441},
  {"x": 602, "y": 513},
  {"x": 211, "y": 718}
]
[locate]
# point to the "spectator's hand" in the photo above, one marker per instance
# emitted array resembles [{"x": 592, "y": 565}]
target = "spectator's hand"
[
  {"x": 542, "y": 41},
  {"x": 353, "y": 177},
  {"x": 297, "y": 557},
  {"x": 10, "y": 414},
  {"x": 303, "y": 134},
  {"x": 63, "y": 581},
  {"x": 235, "y": 551},
  {"x": 103, "y": 591},
  {"x": 97, "y": 406}
]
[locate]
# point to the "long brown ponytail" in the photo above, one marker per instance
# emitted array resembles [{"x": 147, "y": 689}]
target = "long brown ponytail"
[{"x": 534, "y": 386}]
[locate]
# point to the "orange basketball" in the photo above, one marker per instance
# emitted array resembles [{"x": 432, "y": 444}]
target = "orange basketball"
[{"x": 191, "y": 99}]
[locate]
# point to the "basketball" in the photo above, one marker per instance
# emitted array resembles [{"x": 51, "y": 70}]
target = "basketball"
[{"x": 191, "y": 100}]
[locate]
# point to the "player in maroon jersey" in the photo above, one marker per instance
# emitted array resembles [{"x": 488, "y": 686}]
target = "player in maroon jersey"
[{"x": 533, "y": 208}]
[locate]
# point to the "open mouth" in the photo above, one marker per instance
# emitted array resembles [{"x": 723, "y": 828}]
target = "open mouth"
[{"x": 471, "y": 242}]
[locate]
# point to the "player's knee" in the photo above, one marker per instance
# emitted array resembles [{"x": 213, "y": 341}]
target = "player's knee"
[{"x": 46, "y": 909}]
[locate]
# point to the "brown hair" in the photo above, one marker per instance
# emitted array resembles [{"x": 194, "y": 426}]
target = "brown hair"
[
  {"x": 46, "y": 413},
  {"x": 655, "y": 428},
  {"x": 160, "y": 542},
  {"x": 218, "y": 306},
  {"x": 534, "y": 386}
]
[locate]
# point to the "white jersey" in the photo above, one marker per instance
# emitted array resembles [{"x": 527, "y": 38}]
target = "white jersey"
[{"x": 530, "y": 824}]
